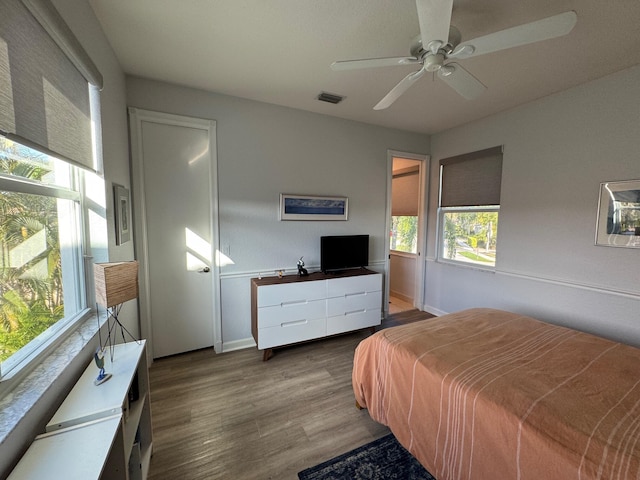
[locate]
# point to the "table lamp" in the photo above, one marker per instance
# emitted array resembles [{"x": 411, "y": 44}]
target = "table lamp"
[{"x": 115, "y": 283}]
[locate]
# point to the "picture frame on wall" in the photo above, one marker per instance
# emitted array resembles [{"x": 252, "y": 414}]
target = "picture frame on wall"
[
  {"x": 313, "y": 207},
  {"x": 618, "y": 219},
  {"x": 122, "y": 217}
]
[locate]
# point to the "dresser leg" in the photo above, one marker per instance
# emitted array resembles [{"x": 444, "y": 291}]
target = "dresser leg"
[{"x": 267, "y": 354}]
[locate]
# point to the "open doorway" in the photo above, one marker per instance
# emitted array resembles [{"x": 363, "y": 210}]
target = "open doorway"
[{"x": 405, "y": 270}]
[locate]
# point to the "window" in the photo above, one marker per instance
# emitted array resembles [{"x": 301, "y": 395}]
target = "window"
[
  {"x": 404, "y": 233},
  {"x": 40, "y": 250},
  {"x": 469, "y": 208},
  {"x": 469, "y": 235},
  {"x": 49, "y": 131},
  {"x": 405, "y": 196}
]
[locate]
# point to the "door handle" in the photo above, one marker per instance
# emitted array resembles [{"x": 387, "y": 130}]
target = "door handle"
[{"x": 204, "y": 270}]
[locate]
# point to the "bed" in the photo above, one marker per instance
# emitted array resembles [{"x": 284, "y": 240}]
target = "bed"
[{"x": 489, "y": 394}]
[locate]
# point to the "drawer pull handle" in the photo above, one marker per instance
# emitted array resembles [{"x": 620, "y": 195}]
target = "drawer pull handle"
[
  {"x": 355, "y": 294},
  {"x": 353, "y": 312},
  {"x": 295, "y": 302},
  {"x": 294, "y": 323}
]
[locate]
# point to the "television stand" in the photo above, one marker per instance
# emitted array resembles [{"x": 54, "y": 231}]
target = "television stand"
[{"x": 293, "y": 309}]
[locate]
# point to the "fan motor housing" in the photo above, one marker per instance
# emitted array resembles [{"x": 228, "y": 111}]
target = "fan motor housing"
[
  {"x": 417, "y": 49},
  {"x": 433, "y": 62}
]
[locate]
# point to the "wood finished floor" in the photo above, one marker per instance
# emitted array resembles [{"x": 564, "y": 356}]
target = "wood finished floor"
[
  {"x": 233, "y": 416},
  {"x": 397, "y": 305}
]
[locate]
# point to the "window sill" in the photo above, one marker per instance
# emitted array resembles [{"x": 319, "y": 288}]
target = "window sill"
[
  {"x": 27, "y": 404},
  {"x": 399, "y": 253},
  {"x": 468, "y": 265}
]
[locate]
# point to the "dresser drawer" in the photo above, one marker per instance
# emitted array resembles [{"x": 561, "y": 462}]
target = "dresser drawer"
[
  {"x": 354, "y": 303},
  {"x": 353, "y": 321},
  {"x": 340, "y": 287},
  {"x": 291, "y": 332},
  {"x": 276, "y": 315},
  {"x": 291, "y": 293}
]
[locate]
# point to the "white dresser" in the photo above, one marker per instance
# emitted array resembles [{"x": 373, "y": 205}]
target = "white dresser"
[{"x": 295, "y": 309}]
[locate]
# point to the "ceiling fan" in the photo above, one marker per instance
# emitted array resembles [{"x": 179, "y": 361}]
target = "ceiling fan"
[{"x": 439, "y": 42}]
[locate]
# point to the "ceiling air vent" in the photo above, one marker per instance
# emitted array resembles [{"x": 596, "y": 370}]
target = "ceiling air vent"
[{"x": 330, "y": 98}]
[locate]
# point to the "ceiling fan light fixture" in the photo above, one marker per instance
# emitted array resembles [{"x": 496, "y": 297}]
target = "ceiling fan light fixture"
[{"x": 439, "y": 41}]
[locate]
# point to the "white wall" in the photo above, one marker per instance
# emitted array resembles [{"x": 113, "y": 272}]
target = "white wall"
[
  {"x": 556, "y": 152},
  {"x": 402, "y": 274},
  {"x": 265, "y": 150}
]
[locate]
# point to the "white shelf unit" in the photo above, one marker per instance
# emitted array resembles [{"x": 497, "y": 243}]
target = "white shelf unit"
[
  {"x": 125, "y": 397},
  {"x": 82, "y": 452},
  {"x": 294, "y": 309}
]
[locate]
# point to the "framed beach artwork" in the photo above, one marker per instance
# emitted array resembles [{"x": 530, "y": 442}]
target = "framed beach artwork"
[
  {"x": 311, "y": 207},
  {"x": 122, "y": 210},
  {"x": 618, "y": 219}
]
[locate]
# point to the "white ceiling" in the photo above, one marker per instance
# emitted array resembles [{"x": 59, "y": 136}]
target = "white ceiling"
[{"x": 279, "y": 52}]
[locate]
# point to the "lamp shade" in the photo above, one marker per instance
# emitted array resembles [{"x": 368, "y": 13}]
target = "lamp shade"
[{"x": 116, "y": 282}]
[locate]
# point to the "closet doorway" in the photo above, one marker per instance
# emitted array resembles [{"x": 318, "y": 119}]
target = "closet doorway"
[{"x": 405, "y": 285}]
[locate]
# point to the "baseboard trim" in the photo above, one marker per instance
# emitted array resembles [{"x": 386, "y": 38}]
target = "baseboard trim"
[
  {"x": 238, "y": 344},
  {"x": 400, "y": 296},
  {"x": 433, "y": 310}
]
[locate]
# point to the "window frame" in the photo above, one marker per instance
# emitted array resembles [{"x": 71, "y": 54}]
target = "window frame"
[
  {"x": 26, "y": 359},
  {"x": 441, "y": 244}
]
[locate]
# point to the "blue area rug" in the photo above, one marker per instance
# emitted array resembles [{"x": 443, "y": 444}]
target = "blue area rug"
[{"x": 381, "y": 459}]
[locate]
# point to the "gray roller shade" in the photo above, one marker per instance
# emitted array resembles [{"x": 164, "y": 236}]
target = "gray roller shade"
[
  {"x": 472, "y": 179},
  {"x": 405, "y": 192},
  {"x": 44, "y": 89}
]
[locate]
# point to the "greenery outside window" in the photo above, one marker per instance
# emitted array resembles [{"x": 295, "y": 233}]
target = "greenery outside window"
[
  {"x": 469, "y": 235},
  {"x": 404, "y": 233},
  {"x": 41, "y": 267}
]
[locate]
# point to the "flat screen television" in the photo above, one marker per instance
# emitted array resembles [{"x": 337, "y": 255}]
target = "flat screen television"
[{"x": 343, "y": 252}]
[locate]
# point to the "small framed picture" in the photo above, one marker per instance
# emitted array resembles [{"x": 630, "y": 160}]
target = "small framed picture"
[
  {"x": 122, "y": 209},
  {"x": 311, "y": 207},
  {"x": 618, "y": 219}
]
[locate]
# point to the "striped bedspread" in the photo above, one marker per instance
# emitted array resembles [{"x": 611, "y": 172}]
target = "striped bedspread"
[{"x": 487, "y": 394}]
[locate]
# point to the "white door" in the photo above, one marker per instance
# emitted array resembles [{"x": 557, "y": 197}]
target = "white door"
[{"x": 176, "y": 230}]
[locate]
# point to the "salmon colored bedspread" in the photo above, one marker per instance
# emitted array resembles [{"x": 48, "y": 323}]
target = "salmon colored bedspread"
[{"x": 491, "y": 395}]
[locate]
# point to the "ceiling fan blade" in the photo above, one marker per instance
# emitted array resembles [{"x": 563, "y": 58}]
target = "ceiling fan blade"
[
  {"x": 544, "y": 29},
  {"x": 399, "y": 89},
  {"x": 373, "y": 62},
  {"x": 461, "y": 81},
  {"x": 434, "y": 17}
]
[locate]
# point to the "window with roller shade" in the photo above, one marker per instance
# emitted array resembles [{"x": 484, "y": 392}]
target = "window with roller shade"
[
  {"x": 405, "y": 194},
  {"x": 49, "y": 134},
  {"x": 469, "y": 208}
]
